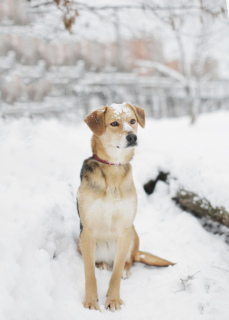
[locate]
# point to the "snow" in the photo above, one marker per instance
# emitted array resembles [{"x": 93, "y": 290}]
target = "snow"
[
  {"x": 127, "y": 127},
  {"x": 119, "y": 109},
  {"x": 197, "y": 156},
  {"x": 41, "y": 272}
]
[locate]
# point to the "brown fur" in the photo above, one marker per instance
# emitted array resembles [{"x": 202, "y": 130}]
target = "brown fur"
[{"x": 108, "y": 202}]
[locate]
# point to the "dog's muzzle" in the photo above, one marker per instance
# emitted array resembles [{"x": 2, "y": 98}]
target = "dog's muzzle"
[{"x": 131, "y": 140}]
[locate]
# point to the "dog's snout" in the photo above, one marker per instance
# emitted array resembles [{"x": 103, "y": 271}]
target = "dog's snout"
[{"x": 131, "y": 138}]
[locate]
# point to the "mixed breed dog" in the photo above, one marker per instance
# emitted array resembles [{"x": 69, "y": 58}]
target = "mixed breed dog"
[{"x": 107, "y": 202}]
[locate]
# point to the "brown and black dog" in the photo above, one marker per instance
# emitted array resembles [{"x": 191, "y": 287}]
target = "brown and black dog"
[{"x": 107, "y": 201}]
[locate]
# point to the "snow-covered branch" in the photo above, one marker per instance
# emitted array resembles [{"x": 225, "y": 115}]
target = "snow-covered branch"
[{"x": 171, "y": 73}]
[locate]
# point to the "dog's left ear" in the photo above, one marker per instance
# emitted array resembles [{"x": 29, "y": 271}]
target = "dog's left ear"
[
  {"x": 140, "y": 114},
  {"x": 96, "y": 121}
]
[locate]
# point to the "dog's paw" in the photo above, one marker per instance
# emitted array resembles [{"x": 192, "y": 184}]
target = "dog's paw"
[
  {"x": 125, "y": 274},
  {"x": 113, "y": 304},
  {"x": 102, "y": 265},
  {"x": 91, "y": 304}
]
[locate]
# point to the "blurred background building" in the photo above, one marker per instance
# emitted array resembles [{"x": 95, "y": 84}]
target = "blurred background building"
[{"x": 45, "y": 71}]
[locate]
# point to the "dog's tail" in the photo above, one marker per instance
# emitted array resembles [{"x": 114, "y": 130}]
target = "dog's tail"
[{"x": 151, "y": 260}]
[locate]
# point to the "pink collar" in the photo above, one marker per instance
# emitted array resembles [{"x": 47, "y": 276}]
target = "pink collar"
[{"x": 104, "y": 161}]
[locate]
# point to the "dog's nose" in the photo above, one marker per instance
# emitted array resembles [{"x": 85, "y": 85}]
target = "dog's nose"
[{"x": 131, "y": 138}]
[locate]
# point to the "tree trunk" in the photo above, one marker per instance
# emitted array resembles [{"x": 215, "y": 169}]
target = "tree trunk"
[{"x": 201, "y": 207}]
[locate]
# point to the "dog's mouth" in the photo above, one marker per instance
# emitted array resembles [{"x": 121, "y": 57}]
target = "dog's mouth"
[
  {"x": 129, "y": 145},
  {"x": 132, "y": 145}
]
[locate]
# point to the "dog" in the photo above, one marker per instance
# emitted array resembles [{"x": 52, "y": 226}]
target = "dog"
[{"x": 107, "y": 202}]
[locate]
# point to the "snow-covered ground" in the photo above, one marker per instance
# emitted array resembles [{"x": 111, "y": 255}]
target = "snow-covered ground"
[{"x": 41, "y": 273}]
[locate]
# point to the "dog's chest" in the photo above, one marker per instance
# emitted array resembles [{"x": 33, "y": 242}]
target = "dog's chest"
[
  {"x": 114, "y": 209},
  {"x": 108, "y": 217},
  {"x": 107, "y": 200}
]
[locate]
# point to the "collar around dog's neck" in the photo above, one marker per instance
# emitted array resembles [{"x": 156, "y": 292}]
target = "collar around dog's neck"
[{"x": 104, "y": 161}]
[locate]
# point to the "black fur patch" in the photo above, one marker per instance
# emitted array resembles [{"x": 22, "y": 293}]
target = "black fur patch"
[
  {"x": 77, "y": 206},
  {"x": 88, "y": 167}
]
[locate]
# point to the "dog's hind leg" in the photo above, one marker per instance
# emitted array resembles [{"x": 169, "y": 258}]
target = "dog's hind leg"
[{"x": 126, "y": 270}]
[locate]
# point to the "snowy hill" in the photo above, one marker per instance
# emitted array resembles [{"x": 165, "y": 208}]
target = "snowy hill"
[{"x": 41, "y": 273}]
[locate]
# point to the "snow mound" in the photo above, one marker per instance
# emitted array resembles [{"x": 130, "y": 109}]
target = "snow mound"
[{"x": 41, "y": 272}]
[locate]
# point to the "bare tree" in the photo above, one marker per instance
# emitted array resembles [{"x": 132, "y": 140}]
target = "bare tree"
[
  {"x": 202, "y": 15},
  {"x": 187, "y": 22}
]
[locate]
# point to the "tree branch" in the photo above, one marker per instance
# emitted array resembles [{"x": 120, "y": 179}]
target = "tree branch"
[{"x": 84, "y": 6}]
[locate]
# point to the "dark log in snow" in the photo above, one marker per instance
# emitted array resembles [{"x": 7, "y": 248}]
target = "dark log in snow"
[
  {"x": 201, "y": 207},
  {"x": 191, "y": 202},
  {"x": 151, "y": 184}
]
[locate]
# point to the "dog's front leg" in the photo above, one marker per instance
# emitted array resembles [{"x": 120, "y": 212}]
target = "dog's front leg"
[
  {"x": 122, "y": 246},
  {"x": 88, "y": 252}
]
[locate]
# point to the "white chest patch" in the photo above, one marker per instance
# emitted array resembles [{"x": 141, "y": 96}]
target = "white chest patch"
[{"x": 108, "y": 217}]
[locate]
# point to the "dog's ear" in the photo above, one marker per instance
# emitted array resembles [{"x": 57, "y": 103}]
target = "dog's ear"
[
  {"x": 140, "y": 114},
  {"x": 96, "y": 121}
]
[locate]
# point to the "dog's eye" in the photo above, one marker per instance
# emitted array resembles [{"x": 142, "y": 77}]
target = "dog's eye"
[
  {"x": 132, "y": 121},
  {"x": 114, "y": 124}
]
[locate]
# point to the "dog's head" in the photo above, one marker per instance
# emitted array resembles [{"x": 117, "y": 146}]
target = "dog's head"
[{"x": 117, "y": 124}]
